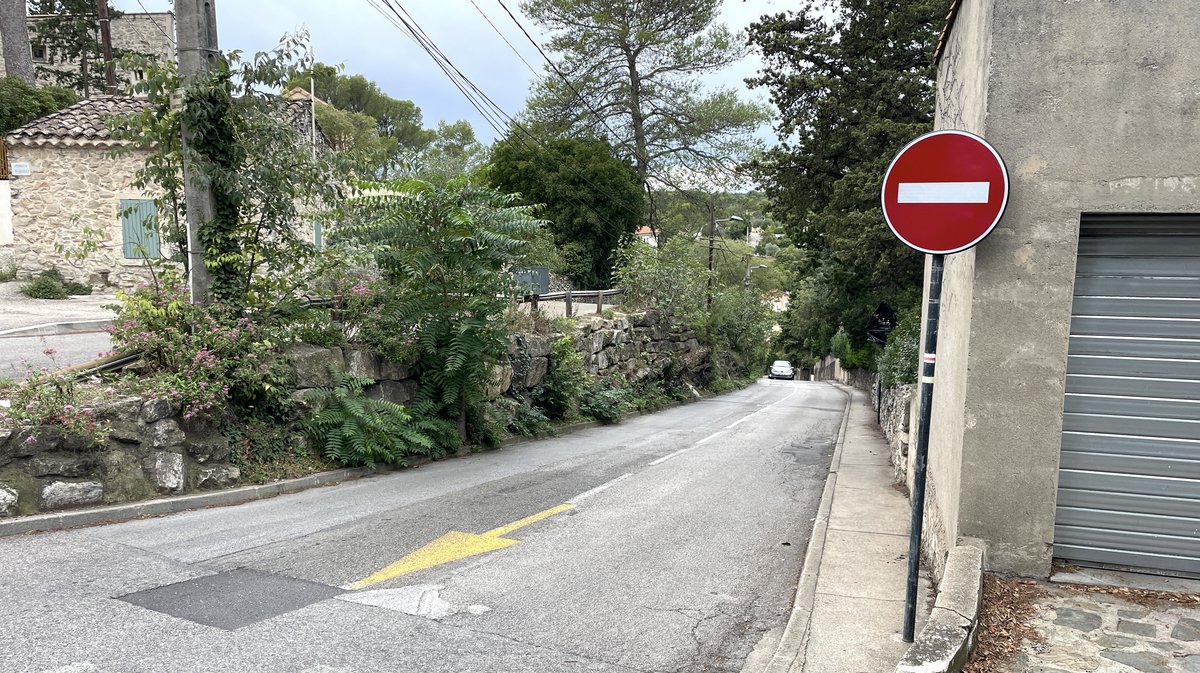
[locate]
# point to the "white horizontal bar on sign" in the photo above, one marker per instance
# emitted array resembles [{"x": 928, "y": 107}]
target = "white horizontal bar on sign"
[{"x": 944, "y": 192}]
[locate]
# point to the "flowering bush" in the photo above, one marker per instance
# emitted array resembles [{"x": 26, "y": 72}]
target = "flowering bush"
[
  {"x": 50, "y": 398},
  {"x": 206, "y": 356}
]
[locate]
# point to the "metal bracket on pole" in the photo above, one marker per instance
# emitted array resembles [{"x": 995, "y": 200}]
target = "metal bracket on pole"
[{"x": 928, "y": 367}]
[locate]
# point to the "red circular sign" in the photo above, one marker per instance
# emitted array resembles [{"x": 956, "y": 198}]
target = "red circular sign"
[{"x": 945, "y": 192}]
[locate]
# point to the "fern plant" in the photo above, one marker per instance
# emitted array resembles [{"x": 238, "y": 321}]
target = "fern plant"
[{"x": 357, "y": 430}]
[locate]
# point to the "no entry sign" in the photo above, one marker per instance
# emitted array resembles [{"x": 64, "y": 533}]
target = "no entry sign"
[{"x": 944, "y": 192}]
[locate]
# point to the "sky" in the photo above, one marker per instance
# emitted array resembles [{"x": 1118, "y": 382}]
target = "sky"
[{"x": 353, "y": 33}]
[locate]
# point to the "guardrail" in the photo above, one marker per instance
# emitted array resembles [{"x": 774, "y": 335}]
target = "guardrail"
[{"x": 571, "y": 297}]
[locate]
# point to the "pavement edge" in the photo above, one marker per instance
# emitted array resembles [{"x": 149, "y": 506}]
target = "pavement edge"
[
  {"x": 945, "y": 643},
  {"x": 52, "y": 521},
  {"x": 790, "y": 652}
]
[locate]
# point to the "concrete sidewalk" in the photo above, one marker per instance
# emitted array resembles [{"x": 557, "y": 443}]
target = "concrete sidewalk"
[{"x": 850, "y": 602}]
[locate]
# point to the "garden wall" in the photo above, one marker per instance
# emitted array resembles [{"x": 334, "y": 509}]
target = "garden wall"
[{"x": 152, "y": 450}]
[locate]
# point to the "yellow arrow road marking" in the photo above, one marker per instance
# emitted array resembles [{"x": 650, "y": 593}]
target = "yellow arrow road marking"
[{"x": 456, "y": 545}]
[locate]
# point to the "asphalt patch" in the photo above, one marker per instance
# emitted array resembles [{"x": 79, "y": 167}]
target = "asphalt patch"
[{"x": 232, "y": 599}]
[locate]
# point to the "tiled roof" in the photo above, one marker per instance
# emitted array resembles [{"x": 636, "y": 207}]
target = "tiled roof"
[
  {"x": 83, "y": 124},
  {"x": 951, "y": 15}
]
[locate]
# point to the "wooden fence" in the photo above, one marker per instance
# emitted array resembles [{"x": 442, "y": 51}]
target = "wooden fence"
[{"x": 572, "y": 298}]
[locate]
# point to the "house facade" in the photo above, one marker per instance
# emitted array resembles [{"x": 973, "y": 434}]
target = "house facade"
[
  {"x": 149, "y": 33},
  {"x": 70, "y": 189},
  {"x": 1066, "y": 409}
]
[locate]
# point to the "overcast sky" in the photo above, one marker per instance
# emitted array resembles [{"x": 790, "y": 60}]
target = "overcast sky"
[{"x": 353, "y": 33}]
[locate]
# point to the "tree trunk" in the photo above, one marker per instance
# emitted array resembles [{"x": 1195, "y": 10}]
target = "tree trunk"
[{"x": 18, "y": 58}]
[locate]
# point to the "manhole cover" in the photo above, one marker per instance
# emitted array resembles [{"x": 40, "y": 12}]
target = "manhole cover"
[{"x": 232, "y": 599}]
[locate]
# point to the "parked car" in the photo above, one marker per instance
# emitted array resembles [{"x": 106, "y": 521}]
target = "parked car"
[{"x": 782, "y": 369}]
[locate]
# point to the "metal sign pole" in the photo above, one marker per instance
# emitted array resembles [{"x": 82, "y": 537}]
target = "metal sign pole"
[{"x": 928, "y": 365}]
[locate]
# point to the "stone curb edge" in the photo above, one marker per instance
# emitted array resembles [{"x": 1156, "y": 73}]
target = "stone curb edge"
[
  {"x": 57, "y": 329},
  {"x": 948, "y": 638},
  {"x": 41, "y": 523},
  {"x": 790, "y": 651}
]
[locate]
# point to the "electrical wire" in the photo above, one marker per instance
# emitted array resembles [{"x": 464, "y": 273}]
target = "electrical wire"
[
  {"x": 160, "y": 28},
  {"x": 488, "y": 108},
  {"x": 505, "y": 38}
]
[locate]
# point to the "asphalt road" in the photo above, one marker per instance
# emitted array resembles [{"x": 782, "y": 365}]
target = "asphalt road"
[{"x": 670, "y": 542}]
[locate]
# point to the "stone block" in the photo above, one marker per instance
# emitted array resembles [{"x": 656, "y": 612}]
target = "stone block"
[
  {"x": 943, "y": 645},
  {"x": 165, "y": 469},
  {"x": 33, "y": 441},
  {"x": 166, "y": 435},
  {"x": 961, "y": 589},
  {"x": 536, "y": 372},
  {"x": 362, "y": 363},
  {"x": 206, "y": 445},
  {"x": 219, "y": 476},
  {"x": 62, "y": 494},
  {"x": 50, "y": 465},
  {"x": 157, "y": 409},
  {"x": 8, "y": 500},
  {"x": 620, "y": 336},
  {"x": 127, "y": 432},
  {"x": 500, "y": 382},
  {"x": 124, "y": 478},
  {"x": 396, "y": 392},
  {"x": 120, "y": 409},
  {"x": 395, "y": 371},
  {"x": 537, "y": 346},
  {"x": 605, "y": 359},
  {"x": 314, "y": 365},
  {"x": 597, "y": 342}
]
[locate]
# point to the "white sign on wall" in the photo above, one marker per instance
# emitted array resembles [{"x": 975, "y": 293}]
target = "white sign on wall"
[{"x": 19, "y": 168}]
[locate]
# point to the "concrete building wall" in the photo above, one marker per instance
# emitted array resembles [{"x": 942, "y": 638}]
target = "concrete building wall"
[
  {"x": 68, "y": 189},
  {"x": 1095, "y": 107}
]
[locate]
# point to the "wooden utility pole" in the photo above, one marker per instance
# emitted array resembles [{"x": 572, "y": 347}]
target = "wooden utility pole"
[
  {"x": 712, "y": 227},
  {"x": 198, "y": 54},
  {"x": 110, "y": 73}
]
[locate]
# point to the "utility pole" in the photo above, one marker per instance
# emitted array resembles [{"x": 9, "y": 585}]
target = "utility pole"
[
  {"x": 712, "y": 227},
  {"x": 198, "y": 54},
  {"x": 110, "y": 73}
]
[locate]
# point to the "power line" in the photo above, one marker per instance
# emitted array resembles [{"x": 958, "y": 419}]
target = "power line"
[
  {"x": 480, "y": 100},
  {"x": 505, "y": 38},
  {"x": 160, "y": 28}
]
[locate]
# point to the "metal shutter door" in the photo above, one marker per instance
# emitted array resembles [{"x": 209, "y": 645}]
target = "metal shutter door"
[{"x": 1129, "y": 477}]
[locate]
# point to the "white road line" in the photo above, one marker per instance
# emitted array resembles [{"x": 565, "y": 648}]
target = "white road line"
[
  {"x": 943, "y": 192},
  {"x": 751, "y": 415},
  {"x": 669, "y": 456},
  {"x": 601, "y": 487}
]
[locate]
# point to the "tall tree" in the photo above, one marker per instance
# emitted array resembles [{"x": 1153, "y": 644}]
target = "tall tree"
[
  {"x": 636, "y": 67},
  {"x": 395, "y": 118},
  {"x": 591, "y": 198},
  {"x": 18, "y": 58},
  {"x": 851, "y": 91}
]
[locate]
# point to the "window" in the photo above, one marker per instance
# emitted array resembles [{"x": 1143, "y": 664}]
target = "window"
[
  {"x": 40, "y": 53},
  {"x": 139, "y": 229}
]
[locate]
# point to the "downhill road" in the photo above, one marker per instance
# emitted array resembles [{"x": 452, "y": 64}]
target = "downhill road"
[{"x": 670, "y": 542}]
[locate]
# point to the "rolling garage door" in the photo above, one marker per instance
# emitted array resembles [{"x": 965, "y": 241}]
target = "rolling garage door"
[{"x": 1129, "y": 478}]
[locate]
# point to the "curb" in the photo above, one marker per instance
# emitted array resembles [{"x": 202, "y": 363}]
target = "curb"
[
  {"x": 790, "y": 652},
  {"x": 52, "y": 521},
  {"x": 946, "y": 641},
  {"x": 57, "y": 329}
]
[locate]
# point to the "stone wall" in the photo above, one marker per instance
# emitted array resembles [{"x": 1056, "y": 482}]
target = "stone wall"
[
  {"x": 70, "y": 188},
  {"x": 896, "y": 408},
  {"x": 638, "y": 346},
  {"x": 141, "y": 33},
  {"x": 150, "y": 451}
]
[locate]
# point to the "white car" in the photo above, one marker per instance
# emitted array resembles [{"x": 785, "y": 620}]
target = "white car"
[{"x": 782, "y": 369}]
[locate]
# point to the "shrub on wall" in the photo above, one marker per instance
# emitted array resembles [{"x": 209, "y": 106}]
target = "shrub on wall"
[{"x": 900, "y": 358}]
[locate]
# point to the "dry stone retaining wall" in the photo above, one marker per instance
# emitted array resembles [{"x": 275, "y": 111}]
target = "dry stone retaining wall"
[{"x": 153, "y": 450}]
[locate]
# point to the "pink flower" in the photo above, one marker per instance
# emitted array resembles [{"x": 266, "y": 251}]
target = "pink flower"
[{"x": 49, "y": 352}]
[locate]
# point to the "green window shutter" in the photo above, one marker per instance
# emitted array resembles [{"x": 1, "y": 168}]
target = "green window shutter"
[{"x": 139, "y": 236}]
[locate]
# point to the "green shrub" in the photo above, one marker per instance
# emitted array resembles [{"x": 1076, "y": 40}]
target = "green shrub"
[
  {"x": 7, "y": 274},
  {"x": 606, "y": 405},
  {"x": 851, "y": 357},
  {"x": 44, "y": 287},
  {"x": 50, "y": 284},
  {"x": 353, "y": 429},
  {"x": 566, "y": 381},
  {"x": 900, "y": 358}
]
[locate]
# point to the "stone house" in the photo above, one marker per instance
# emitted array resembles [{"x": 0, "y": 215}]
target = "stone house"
[
  {"x": 149, "y": 33},
  {"x": 69, "y": 176},
  {"x": 1066, "y": 410}
]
